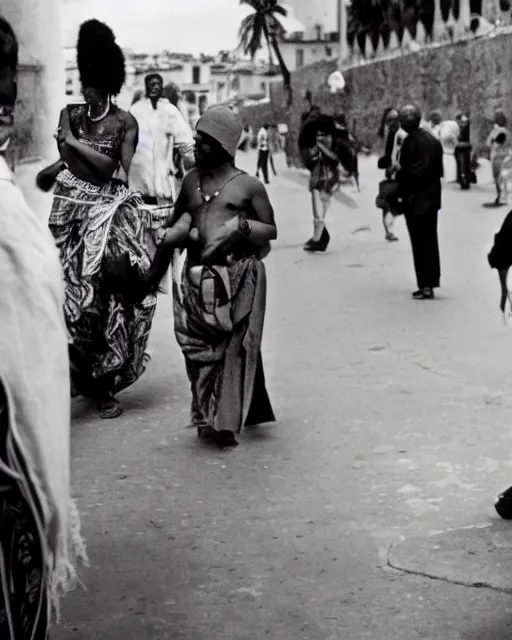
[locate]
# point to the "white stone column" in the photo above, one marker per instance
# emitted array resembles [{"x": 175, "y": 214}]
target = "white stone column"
[{"x": 37, "y": 26}]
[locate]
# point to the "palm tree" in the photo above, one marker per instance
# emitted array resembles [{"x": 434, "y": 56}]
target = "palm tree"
[{"x": 262, "y": 23}]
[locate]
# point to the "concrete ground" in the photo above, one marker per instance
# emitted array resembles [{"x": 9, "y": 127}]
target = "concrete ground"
[{"x": 393, "y": 426}]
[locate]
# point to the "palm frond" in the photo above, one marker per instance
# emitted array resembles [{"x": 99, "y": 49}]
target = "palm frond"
[
  {"x": 250, "y": 33},
  {"x": 280, "y": 10}
]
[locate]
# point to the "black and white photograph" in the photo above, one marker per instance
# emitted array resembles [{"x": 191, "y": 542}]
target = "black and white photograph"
[{"x": 255, "y": 320}]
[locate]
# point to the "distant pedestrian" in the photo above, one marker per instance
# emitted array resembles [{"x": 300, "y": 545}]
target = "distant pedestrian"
[
  {"x": 387, "y": 199},
  {"x": 419, "y": 187},
  {"x": 498, "y": 142},
  {"x": 263, "y": 153},
  {"x": 462, "y": 152},
  {"x": 273, "y": 146},
  {"x": 317, "y": 142}
]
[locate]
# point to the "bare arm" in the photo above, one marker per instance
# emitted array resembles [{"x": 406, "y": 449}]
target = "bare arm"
[
  {"x": 263, "y": 228},
  {"x": 182, "y": 135},
  {"x": 327, "y": 152},
  {"x": 130, "y": 141},
  {"x": 181, "y": 204},
  {"x": 66, "y": 138}
]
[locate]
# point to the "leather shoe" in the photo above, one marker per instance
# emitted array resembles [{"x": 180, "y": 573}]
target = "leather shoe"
[{"x": 426, "y": 293}]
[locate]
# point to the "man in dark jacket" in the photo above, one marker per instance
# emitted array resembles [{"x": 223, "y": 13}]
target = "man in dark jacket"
[{"x": 419, "y": 180}]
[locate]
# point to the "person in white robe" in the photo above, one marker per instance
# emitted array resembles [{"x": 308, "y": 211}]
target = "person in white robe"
[{"x": 162, "y": 129}]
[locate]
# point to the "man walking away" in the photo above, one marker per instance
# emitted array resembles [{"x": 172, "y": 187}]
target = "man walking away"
[
  {"x": 419, "y": 184},
  {"x": 263, "y": 153}
]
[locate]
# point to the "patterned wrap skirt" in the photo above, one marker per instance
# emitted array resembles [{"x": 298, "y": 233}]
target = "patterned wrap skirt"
[{"x": 108, "y": 334}]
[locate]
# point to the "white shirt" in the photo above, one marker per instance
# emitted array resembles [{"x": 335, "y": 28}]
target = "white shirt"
[
  {"x": 263, "y": 139},
  {"x": 160, "y": 130}
]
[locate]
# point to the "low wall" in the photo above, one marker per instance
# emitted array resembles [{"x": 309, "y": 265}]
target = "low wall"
[{"x": 472, "y": 76}]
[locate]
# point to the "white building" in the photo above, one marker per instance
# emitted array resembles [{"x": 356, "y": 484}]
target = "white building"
[
  {"x": 309, "y": 33},
  {"x": 318, "y": 18},
  {"x": 241, "y": 80}
]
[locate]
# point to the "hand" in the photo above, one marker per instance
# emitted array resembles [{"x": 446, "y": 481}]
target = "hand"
[
  {"x": 322, "y": 147},
  {"x": 175, "y": 235}
]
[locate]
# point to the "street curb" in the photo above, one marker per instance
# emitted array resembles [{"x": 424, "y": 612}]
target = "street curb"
[{"x": 476, "y": 556}]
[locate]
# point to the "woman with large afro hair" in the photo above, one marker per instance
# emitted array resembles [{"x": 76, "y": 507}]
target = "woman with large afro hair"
[{"x": 104, "y": 243}]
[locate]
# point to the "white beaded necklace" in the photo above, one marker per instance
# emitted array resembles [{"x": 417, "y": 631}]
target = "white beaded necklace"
[{"x": 102, "y": 115}]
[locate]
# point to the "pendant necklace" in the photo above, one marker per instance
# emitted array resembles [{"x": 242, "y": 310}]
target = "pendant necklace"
[
  {"x": 208, "y": 198},
  {"x": 102, "y": 115}
]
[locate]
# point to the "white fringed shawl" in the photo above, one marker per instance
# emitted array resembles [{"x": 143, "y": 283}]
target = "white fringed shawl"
[{"x": 34, "y": 368}]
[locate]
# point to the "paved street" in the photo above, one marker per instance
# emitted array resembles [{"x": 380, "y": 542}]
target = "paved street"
[{"x": 393, "y": 425}]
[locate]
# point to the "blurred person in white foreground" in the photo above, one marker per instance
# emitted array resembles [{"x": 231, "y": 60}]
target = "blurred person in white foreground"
[{"x": 40, "y": 539}]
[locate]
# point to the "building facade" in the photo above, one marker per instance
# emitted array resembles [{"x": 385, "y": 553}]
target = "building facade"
[
  {"x": 41, "y": 76},
  {"x": 318, "y": 18}
]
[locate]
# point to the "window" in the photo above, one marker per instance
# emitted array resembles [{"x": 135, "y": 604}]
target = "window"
[
  {"x": 299, "y": 58},
  {"x": 196, "y": 75},
  {"x": 235, "y": 83},
  {"x": 263, "y": 87},
  {"x": 328, "y": 52}
]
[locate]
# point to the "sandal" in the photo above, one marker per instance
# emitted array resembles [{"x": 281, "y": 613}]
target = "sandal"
[{"x": 109, "y": 408}]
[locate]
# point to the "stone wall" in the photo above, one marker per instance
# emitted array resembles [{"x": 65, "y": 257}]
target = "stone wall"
[
  {"x": 472, "y": 75},
  {"x": 259, "y": 114}
]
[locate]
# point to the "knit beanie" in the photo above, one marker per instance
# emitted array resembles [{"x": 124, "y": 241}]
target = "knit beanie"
[{"x": 223, "y": 125}]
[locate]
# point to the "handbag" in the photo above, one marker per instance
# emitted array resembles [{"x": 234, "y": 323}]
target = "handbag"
[{"x": 387, "y": 197}]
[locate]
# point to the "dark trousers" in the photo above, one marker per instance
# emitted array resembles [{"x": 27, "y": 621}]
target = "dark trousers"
[
  {"x": 463, "y": 162},
  {"x": 262, "y": 164},
  {"x": 425, "y": 248},
  {"x": 271, "y": 160}
]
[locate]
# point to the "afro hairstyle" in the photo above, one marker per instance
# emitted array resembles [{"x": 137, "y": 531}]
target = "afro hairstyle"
[{"x": 100, "y": 60}]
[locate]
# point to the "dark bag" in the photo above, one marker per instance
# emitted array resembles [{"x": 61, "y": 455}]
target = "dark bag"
[
  {"x": 384, "y": 162},
  {"x": 125, "y": 278},
  {"x": 387, "y": 197}
]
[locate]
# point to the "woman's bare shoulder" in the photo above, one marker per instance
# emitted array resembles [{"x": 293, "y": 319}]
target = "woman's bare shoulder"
[{"x": 126, "y": 118}]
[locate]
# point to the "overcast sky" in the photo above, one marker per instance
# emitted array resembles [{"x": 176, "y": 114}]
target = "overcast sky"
[{"x": 188, "y": 26}]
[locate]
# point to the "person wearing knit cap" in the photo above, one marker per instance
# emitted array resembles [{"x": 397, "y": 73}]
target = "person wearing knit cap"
[
  {"x": 219, "y": 283},
  {"x": 40, "y": 541},
  {"x": 98, "y": 230},
  {"x": 162, "y": 130}
]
